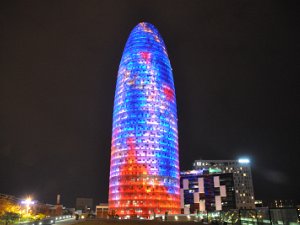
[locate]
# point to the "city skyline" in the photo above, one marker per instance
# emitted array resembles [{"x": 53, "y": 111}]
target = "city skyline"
[{"x": 234, "y": 66}]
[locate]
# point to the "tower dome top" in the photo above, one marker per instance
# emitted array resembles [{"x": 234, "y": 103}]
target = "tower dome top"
[{"x": 146, "y": 27}]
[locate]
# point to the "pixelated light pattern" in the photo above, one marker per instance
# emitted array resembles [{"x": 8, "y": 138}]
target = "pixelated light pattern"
[{"x": 144, "y": 168}]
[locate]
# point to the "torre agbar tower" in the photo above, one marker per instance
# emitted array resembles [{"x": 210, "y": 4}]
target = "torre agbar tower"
[{"x": 144, "y": 167}]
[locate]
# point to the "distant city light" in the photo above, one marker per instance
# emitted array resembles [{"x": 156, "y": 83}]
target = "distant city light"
[{"x": 244, "y": 160}]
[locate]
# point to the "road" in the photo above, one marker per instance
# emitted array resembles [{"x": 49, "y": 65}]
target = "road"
[{"x": 67, "y": 221}]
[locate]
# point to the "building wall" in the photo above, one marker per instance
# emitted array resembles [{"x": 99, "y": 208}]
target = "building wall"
[
  {"x": 242, "y": 177},
  {"x": 84, "y": 203},
  {"x": 102, "y": 211},
  {"x": 206, "y": 192}
]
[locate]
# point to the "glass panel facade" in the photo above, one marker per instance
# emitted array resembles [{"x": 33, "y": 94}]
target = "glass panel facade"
[{"x": 144, "y": 169}]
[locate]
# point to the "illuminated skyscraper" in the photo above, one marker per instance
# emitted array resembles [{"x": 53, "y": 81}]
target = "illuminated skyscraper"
[{"x": 144, "y": 168}]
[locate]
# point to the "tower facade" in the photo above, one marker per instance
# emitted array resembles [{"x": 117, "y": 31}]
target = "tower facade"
[{"x": 144, "y": 167}]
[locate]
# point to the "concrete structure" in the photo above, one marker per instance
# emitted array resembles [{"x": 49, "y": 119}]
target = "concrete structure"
[
  {"x": 203, "y": 191},
  {"x": 241, "y": 170}
]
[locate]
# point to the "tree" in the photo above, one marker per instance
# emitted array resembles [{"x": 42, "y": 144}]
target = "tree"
[
  {"x": 10, "y": 217},
  {"x": 9, "y": 210},
  {"x": 7, "y": 205}
]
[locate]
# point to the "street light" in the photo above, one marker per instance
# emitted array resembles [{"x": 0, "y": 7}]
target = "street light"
[
  {"x": 244, "y": 160},
  {"x": 27, "y": 202}
]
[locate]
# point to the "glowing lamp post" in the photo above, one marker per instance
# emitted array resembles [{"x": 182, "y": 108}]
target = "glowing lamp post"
[
  {"x": 244, "y": 160},
  {"x": 27, "y": 202}
]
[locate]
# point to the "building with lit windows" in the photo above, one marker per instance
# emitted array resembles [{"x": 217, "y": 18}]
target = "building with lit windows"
[
  {"x": 144, "y": 167},
  {"x": 204, "y": 190},
  {"x": 84, "y": 204},
  {"x": 241, "y": 170},
  {"x": 280, "y": 203}
]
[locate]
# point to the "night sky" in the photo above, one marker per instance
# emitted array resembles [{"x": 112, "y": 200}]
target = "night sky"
[{"x": 234, "y": 66}]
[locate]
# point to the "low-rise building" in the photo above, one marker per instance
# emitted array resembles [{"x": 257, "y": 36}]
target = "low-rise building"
[{"x": 102, "y": 210}]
